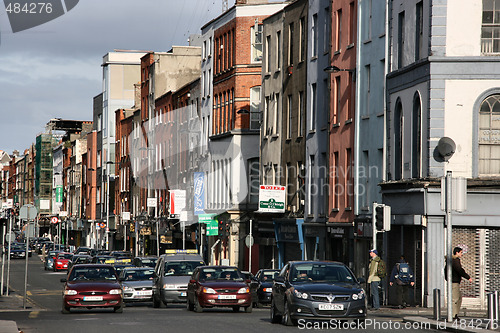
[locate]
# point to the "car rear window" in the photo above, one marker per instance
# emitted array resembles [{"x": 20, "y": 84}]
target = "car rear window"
[
  {"x": 231, "y": 274},
  {"x": 92, "y": 274},
  {"x": 138, "y": 274},
  {"x": 181, "y": 267}
]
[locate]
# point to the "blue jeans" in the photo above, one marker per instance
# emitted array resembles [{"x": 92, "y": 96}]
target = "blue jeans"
[{"x": 374, "y": 293}]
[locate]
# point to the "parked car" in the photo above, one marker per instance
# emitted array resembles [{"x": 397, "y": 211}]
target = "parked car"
[
  {"x": 121, "y": 254},
  {"x": 172, "y": 274},
  {"x": 137, "y": 283},
  {"x": 265, "y": 278},
  {"x": 254, "y": 286},
  {"x": 218, "y": 286},
  {"x": 61, "y": 261},
  {"x": 17, "y": 250},
  {"x": 85, "y": 250},
  {"x": 79, "y": 259},
  {"x": 145, "y": 261},
  {"x": 316, "y": 290},
  {"x": 49, "y": 260},
  {"x": 92, "y": 286}
]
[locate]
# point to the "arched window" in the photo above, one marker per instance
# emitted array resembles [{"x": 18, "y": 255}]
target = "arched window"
[
  {"x": 398, "y": 140},
  {"x": 416, "y": 137},
  {"x": 489, "y": 136}
]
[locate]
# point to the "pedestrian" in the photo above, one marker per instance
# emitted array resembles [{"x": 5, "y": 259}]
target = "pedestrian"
[
  {"x": 402, "y": 275},
  {"x": 374, "y": 278},
  {"x": 457, "y": 273}
]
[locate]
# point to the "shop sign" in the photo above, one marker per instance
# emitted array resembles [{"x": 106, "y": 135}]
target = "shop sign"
[{"x": 272, "y": 199}]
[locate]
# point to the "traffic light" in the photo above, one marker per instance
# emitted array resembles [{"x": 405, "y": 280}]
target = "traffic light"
[
  {"x": 227, "y": 228},
  {"x": 383, "y": 217},
  {"x": 222, "y": 229}
]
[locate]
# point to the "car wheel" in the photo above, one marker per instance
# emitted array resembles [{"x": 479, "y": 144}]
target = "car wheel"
[
  {"x": 189, "y": 305},
  {"x": 197, "y": 306},
  {"x": 275, "y": 318},
  {"x": 248, "y": 309},
  {"x": 156, "y": 302},
  {"x": 118, "y": 309},
  {"x": 287, "y": 319},
  {"x": 65, "y": 310}
]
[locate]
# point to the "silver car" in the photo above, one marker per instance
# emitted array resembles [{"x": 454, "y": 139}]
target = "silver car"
[
  {"x": 172, "y": 274},
  {"x": 137, "y": 283}
]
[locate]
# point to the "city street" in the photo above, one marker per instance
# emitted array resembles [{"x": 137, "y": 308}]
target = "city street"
[{"x": 44, "y": 315}]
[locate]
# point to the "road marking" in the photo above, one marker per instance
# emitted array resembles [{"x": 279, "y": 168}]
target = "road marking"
[
  {"x": 34, "y": 314},
  {"x": 29, "y": 293}
]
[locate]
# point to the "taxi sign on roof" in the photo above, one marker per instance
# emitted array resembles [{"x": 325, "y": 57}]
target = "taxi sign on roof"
[{"x": 189, "y": 251}]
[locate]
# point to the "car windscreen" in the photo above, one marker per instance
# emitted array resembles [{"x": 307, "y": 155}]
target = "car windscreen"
[
  {"x": 228, "y": 274},
  {"x": 83, "y": 260},
  {"x": 181, "y": 267},
  {"x": 323, "y": 273},
  {"x": 92, "y": 274},
  {"x": 148, "y": 262},
  {"x": 268, "y": 276},
  {"x": 65, "y": 256},
  {"x": 137, "y": 274}
]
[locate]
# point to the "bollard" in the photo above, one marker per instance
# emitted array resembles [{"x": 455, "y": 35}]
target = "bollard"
[
  {"x": 437, "y": 304},
  {"x": 492, "y": 309}
]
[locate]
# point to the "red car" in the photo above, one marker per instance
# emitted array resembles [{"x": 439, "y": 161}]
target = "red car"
[
  {"x": 218, "y": 286},
  {"x": 92, "y": 286},
  {"x": 61, "y": 261}
]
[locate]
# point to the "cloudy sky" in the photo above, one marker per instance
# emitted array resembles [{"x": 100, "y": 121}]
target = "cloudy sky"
[{"x": 53, "y": 70}]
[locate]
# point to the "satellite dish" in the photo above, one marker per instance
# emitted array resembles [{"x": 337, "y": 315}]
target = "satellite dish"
[{"x": 446, "y": 148}]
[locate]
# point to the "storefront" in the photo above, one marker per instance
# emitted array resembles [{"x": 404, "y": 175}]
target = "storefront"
[{"x": 289, "y": 239}]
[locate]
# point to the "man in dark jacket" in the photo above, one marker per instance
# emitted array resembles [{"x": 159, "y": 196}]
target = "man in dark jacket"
[
  {"x": 457, "y": 273},
  {"x": 402, "y": 275}
]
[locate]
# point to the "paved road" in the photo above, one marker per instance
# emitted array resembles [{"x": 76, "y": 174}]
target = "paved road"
[{"x": 45, "y": 303}]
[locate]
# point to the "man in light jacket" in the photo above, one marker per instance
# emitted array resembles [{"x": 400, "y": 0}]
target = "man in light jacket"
[{"x": 373, "y": 279}]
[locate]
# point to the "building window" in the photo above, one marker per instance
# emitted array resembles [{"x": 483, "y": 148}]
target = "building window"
[
  {"x": 268, "y": 54},
  {"x": 253, "y": 180},
  {"x": 256, "y": 39},
  {"x": 416, "y": 136},
  {"x": 366, "y": 108},
  {"x": 419, "y": 40},
  {"x": 302, "y": 114},
  {"x": 255, "y": 108},
  {"x": 337, "y": 188},
  {"x": 276, "y": 172},
  {"x": 312, "y": 111},
  {"x": 314, "y": 36},
  {"x": 490, "y": 30},
  {"x": 338, "y": 106},
  {"x": 277, "y": 50},
  {"x": 290, "y": 44},
  {"x": 209, "y": 47},
  {"x": 401, "y": 38},
  {"x": 275, "y": 114},
  {"x": 367, "y": 28},
  {"x": 338, "y": 32},
  {"x": 489, "y": 136},
  {"x": 352, "y": 23},
  {"x": 302, "y": 39},
  {"x": 267, "y": 130},
  {"x": 289, "y": 117},
  {"x": 398, "y": 140},
  {"x": 311, "y": 185},
  {"x": 348, "y": 178},
  {"x": 327, "y": 41}
]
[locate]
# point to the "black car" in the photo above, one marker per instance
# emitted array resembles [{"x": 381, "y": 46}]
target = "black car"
[
  {"x": 79, "y": 259},
  {"x": 145, "y": 261},
  {"x": 321, "y": 290},
  {"x": 265, "y": 277},
  {"x": 254, "y": 286},
  {"x": 17, "y": 250}
]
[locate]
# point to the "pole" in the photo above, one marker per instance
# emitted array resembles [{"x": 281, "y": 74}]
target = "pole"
[
  {"x": 136, "y": 239},
  {"x": 8, "y": 255},
  {"x": 157, "y": 237},
  {"x": 250, "y": 249},
  {"x": 3, "y": 258},
  {"x": 183, "y": 226},
  {"x": 449, "y": 246},
  {"x": 107, "y": 210},
  {"x": 374, "y": 225},
  {"x": 26, "y": 264}
]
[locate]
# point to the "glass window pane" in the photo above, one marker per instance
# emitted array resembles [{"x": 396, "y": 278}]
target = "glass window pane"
[
  {"x": 487, "y": 16},
  {"x": 496, "y": 45},
  {"x": 484, "y": 151},
  {"x": 495, "y": 152},
  {"x": 487, "y": 33},
  {"x": 484, "y": 121},
  {"x": 488, "y": 4}
]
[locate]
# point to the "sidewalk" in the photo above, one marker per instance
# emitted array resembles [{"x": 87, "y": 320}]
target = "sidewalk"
[
  {"x": 13, "y": 302},
  {"x": 471, "y": 320}
]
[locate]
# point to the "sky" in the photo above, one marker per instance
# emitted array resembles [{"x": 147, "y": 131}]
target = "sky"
[{"x": 53, "y": 70}]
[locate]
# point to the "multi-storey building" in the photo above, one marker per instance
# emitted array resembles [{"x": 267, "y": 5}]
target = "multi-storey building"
[
  {"x": 369, "y": 123},
  {"x": 230, "y": 89},
  {"x": 341, "y": 125},
  {"x": 443, "y": 82}
]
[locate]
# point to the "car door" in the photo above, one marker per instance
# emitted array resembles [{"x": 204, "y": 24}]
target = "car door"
[
  {"x": 191, "y": 289},
  {"x": 279, "y": 289},
  {"x": 157, "y": 277}
]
